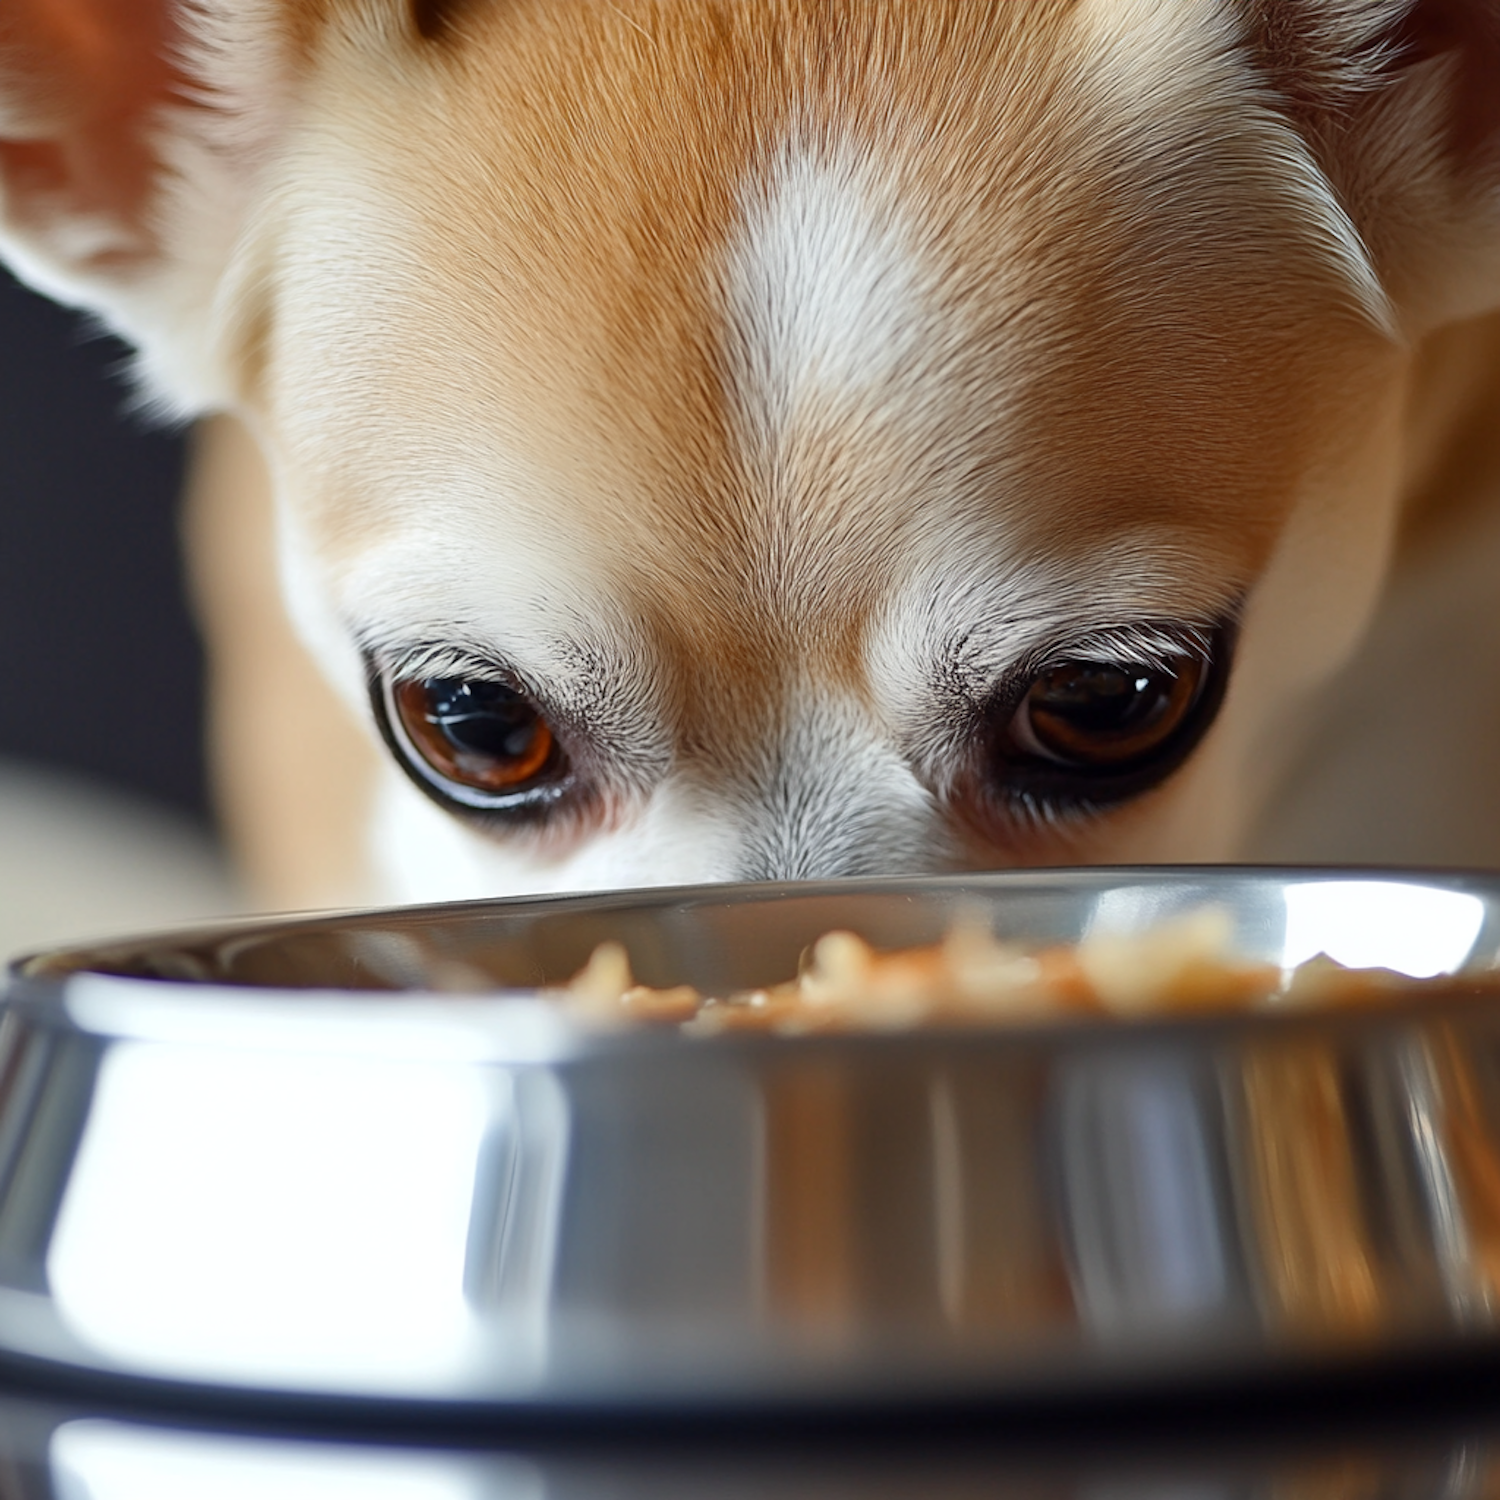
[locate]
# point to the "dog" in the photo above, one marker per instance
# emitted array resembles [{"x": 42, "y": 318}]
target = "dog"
[{"x": 784, "y": 439}]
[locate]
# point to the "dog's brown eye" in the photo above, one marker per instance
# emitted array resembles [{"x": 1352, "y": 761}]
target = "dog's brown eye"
[
  {"x": 1092, "y": 716},
  {"x": 1086, "y": 733},
  {"x": 473, "y": 736}
]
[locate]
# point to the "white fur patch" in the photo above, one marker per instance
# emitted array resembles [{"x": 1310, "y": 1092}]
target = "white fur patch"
[{"x": 825, "y": 295}]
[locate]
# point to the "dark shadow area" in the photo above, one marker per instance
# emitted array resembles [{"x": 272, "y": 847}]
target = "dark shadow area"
[{"x": 101, "y": 665}]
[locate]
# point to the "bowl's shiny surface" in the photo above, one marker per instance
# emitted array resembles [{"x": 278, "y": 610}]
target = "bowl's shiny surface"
[{"x": 261, "y": 1179}]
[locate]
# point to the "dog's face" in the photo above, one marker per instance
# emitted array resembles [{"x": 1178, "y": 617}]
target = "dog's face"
[{"x": 770, "y": 440}]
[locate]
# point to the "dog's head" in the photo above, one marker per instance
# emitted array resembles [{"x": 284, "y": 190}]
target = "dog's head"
[{"x": 759, "y": 438}]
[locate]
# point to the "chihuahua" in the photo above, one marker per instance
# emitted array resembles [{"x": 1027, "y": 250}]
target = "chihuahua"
[{"x": 708, "y": 440}]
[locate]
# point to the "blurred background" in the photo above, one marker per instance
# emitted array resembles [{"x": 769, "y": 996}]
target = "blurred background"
[{"x": 105, "y": 819}]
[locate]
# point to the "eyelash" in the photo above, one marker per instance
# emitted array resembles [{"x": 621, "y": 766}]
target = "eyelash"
[
  {"x": 1157, "y": 648},
  {"x": 434, "y": 661}
]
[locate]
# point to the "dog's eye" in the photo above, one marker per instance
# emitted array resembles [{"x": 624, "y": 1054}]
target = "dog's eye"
[
  {"x": 1095, "y": 732},
  {"x": 1090, "y": 716},
  {"x": 479, "y": 743}
]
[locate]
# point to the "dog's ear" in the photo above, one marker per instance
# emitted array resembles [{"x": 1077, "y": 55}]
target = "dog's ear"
[
  {"x": 124, "y": 166},
  {"x": 1400, "y": 102}
]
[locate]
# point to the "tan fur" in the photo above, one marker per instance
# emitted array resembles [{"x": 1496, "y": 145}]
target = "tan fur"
[
  {"x": 1172, "y": 290},
  {"x": 293, "y": 771}
]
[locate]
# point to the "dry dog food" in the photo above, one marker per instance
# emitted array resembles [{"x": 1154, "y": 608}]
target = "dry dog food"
[{"x": 971, "y": 977}]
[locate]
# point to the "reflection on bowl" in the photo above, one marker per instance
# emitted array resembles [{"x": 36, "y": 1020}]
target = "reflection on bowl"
[{"x": 285, "y": 1157}]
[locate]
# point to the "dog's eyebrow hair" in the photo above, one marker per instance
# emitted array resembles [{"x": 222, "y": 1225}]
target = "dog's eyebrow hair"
[
  {"x": 583, "y": 688},
  {"x": 436, "y": 658},
  {"x": 1152, "y": 642},
  {"x": 449, "y": 655},
  {"x": 1155, "y": 642}
]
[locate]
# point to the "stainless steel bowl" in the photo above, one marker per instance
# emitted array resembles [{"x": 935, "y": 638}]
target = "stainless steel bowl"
[{"x": 288, "y": 1158}]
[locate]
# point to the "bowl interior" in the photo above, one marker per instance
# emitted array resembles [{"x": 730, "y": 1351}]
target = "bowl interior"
[{"x": 725, "y": 938}]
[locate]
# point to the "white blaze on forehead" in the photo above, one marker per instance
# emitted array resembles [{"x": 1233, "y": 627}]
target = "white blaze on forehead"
[{"x": 825, "y": 292}]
